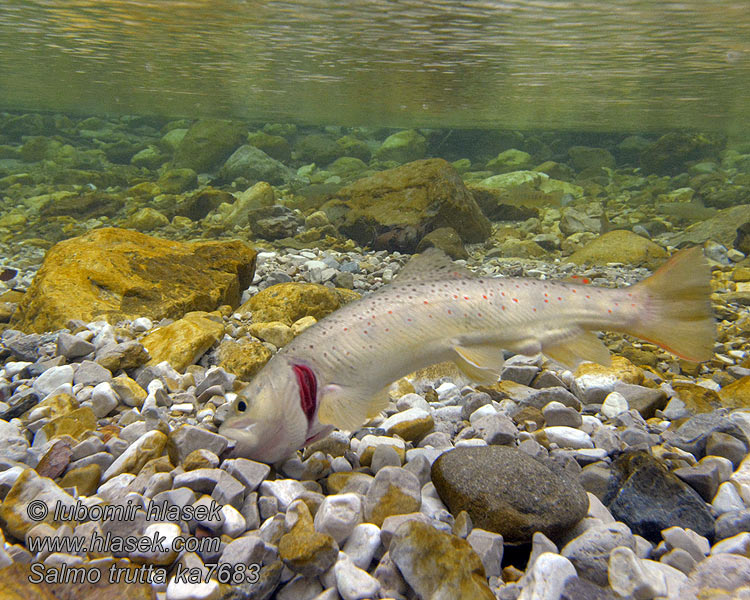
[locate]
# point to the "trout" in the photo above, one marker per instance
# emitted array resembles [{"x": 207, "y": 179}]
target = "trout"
[{"x": 337, "y": 372}]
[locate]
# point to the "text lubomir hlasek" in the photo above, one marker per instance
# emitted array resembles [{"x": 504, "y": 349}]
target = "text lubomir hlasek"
[{"x": 155, "y": 511}]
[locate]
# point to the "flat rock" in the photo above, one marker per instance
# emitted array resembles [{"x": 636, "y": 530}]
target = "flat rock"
[
  {"x": 118, "y": 274},
  {"x": 506, "y": 491},
  {"x": 184, "y": 341}
]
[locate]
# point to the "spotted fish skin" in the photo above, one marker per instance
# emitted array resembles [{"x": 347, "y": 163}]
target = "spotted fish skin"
[{"x": 434, "y": 312}]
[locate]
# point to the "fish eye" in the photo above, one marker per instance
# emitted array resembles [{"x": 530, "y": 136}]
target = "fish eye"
[{"x": 241, "y": 406}]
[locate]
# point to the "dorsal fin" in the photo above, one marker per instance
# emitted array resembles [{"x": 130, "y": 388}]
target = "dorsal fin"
[{"x": 431, "y": 265}]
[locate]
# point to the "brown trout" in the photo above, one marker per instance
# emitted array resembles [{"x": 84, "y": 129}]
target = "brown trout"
[{"x": 337, "y": 372}]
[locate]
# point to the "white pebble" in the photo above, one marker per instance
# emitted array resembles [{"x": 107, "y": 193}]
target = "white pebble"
[
  {"x": 614, "y": 404},
  {"x": 234, "y": 524},
  {"x": 547, "y": 578},
  {"x": 737, "y": 544},
  {"x": 338, "y": 515},
  {"x": 103, "y": 399},
  {"x": 352, "y": 582},
  {"x": 727, "y": 499},
  {"x": 568, "y": 437},
  {"x": 53, "y": 378},
  {"x": 362, "y": 544}
]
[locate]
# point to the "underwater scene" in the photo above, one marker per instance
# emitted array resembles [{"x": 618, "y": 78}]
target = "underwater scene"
[{"x": 376, "y": 300}]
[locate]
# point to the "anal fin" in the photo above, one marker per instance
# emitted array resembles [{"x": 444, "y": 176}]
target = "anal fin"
[
  {"x": 578, "y": 348},
  {"x": 480, "y": 362}
]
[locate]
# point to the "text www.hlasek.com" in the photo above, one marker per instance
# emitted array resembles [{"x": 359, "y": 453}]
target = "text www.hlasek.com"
[{"x": 154, "y": 543}]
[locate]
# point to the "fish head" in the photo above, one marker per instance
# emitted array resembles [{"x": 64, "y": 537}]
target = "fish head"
[{"x": 266, "y": 420}]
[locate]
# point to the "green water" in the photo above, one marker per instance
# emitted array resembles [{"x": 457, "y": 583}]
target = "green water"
[{"x": 622, "y": 65}]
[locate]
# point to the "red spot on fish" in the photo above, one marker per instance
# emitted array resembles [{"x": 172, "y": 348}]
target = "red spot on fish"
[
  {"x": 466, "y": 297},
  {"x": 387, "y": 329},
  {"x": 390, "y": 312},
  {"x": 426, "y": 302},
  {"x": 609, "y": 310},
  {"x": 574, "y": 290},
  {"x": 346, "y": 329},
  {"x": 483, "y": 296},
  {"x": 502, "y": 293},
  {"x": 534, "y": 309},
  {"x": 455, "y": 296},
  {"x": 586, "y": 280},
  {"x": 515, "y": 299},
  {"x": 503, "y": 307},
  {"x": 588, "y": 297},
  {"x": 546, "y": 300},
  {"x": 308, "y": 390},
  {"x": 450, "y": 312},
  {"x": 559, "y": 298},
  {"x": 546, "y": 295},
  {"x": 479, "y": 314}
]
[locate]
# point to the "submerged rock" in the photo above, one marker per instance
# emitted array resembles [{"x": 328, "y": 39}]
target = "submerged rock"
[
  {"x": 507, "y": 491},
  {"x": 117, "y": 274},
  {"x": 620, "y": 246},
  {"x": 422, "y": 195},
  {"x": 649, "y": 498}
]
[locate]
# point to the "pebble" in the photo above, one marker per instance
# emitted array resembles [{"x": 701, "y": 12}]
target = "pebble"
[
  {"x": 568, "y": 437},
  {"x": 362, "y": 544},
  {"x": 547, "y": 578},
  {"x": 352, "y": 582},
  {"x": 338, "y": 515}
]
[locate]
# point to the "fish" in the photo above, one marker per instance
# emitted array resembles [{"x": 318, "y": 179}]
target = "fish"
[{"x": 336, "y": 373}]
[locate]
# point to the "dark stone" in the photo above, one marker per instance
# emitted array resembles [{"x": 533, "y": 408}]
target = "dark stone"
[
  {"x": 507, "y": 491},
  {"x": 643, "y": 399},
  {"x": 692, "y": 435},
  {"x": 647, "y": 497},
  {"x": 20, "y": 403},
  {"x": 447, "y": 239},
  {"x": 582, "y": 589},
  {"x": 207, "y": 144},
  {"x": 670, "y": 153},
  {"x": 703, "y": 478},
  {"x": 273, "y": 222},
  {"x": 319, "y": 148}
]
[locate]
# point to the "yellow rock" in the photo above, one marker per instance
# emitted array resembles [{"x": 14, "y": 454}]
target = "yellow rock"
[
  {"x": 289, "y": 302},
  {"x": 736, "y": 394},
  {"x": 621, "y": 368},
  {"x": 620, "y": 246},
  {"x": 243, "y": 359},
  {"x": 301, "y": 324},
  {"x": 85, "y": 479},
  {"x": 14, "y": 510},
  {"x": 128, "y": 391},
  {"x": 150, "y": 445},
  {"x": 59, "y": 405},
  {"x": 75, "y": 424},
  {"x": 183, "y": 342},
  {"x": 697, "y": 399},
  {"x": 305, "y": 550},
  {"x": 394, "y": 502},
  {"x": 117, "y": 274},
  {"x": 436, "y": 564},
  {"x": 275, "y": 332}
]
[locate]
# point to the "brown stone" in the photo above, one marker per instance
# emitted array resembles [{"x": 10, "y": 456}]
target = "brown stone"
[
  {"x": 437, "y": 564},
  {"x": 55, "y": 460},
  {"x": 85, "y": 479},
  {"x": 183, "y": 342},
  {"x": 243, "y": 358},
  {"x": 289, "y": 302},
  {"x": 620, "y": 246},
  {"x": 422, "y": 195},
  {"x": 75, "y": 424},
  {"x": 697, "y": 398},
  {"x": 304, "y": 550},
  {"x": 736, "y": 394},
  {"x": 117, "y": 274}
]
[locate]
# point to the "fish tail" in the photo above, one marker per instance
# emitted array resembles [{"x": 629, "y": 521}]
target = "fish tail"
[{"x": 677, "y": 306}]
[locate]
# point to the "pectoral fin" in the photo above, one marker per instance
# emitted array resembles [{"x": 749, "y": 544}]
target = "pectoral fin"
[
  {"x": 480, "y": 362},
  {"x": 348, "y": 408},
  {"x": 581, "y": 347}
]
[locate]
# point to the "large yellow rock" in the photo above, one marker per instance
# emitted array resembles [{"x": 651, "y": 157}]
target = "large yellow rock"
[
  {"x": 736, "y": 394},
  {"x": 620, "y": 246},
  {"x": 117, "y": 274},
  {"x": 183, "y": 342},
  {"x": 289, "y": 302}
]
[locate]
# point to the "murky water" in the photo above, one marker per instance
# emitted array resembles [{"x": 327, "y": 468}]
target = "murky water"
[{"x": 622, "y": 65}]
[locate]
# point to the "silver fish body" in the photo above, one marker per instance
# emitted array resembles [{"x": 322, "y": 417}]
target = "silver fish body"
[{"x": 336, "y": 372}]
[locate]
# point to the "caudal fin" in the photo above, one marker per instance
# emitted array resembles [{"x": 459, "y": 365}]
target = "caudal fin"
[{"x": 677, "y": 314}]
